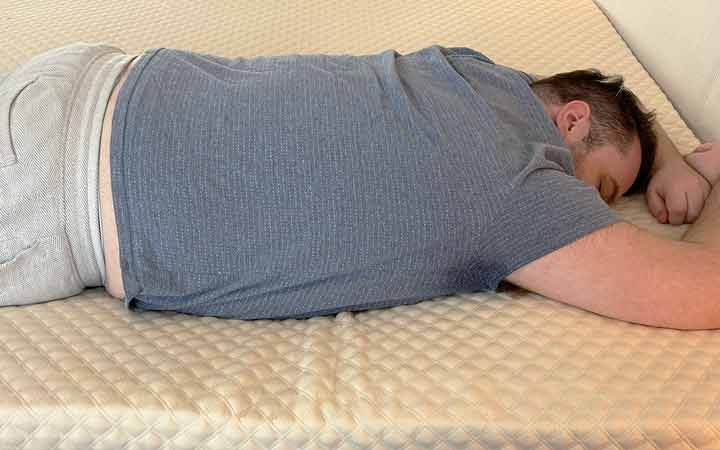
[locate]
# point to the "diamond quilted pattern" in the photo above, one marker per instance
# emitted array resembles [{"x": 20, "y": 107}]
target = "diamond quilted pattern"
[
  {"x": 508, "y": 369},
  {"x": 485, "y": 370}
]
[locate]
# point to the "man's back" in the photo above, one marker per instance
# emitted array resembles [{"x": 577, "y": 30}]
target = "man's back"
[{"x": 310, "y": 184}]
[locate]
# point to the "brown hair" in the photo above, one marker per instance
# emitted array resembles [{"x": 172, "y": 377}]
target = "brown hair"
[{"x": 615, "y": 113}]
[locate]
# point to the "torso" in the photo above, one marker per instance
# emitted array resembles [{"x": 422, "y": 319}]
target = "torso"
[{"x": 111, "y": 251}]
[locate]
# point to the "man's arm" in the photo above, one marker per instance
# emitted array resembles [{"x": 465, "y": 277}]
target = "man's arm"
[
  {"x": 626, "y": 273},
  {"x": 665, "y": 152},
  {"x": 676, "y": 192},
  {"x": 706, "y": 229}
]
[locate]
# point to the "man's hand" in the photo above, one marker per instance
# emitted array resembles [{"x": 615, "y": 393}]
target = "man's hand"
[
  {"x": 705, "y": 159},
  {"x": 677, "y": 193}
]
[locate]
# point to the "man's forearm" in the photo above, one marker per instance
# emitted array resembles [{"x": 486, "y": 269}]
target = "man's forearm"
[
  {"x": 666, "y": 150},
  {"x": 706, "y": 228}
]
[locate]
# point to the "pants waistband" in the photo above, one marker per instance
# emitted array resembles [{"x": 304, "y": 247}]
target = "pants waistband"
[{"x": 84, "y": 126}]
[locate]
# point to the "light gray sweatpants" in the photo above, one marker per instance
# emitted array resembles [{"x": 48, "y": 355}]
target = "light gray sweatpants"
[{"x": 51, "y": 112}]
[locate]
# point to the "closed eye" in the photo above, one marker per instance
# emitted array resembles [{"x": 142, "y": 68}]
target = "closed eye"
[{"x": 605, "y": 195}]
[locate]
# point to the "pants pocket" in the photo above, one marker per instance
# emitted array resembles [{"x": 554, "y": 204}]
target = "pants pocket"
[
  {"x": 37, "y": 271},
  {"x": 8, "y": 94}
]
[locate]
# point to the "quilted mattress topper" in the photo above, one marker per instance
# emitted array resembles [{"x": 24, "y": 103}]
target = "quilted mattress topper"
[{"x": 489, "y": 370}]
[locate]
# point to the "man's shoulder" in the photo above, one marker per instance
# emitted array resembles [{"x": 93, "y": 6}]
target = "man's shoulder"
[
  {"x": 465, "y": 52},
  {"x": 455, "y": 53}
]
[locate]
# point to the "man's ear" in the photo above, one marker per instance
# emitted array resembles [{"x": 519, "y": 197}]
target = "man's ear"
[{"x": 573, "y": 120}]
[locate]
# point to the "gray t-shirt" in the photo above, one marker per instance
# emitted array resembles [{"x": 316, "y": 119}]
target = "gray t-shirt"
[{"x": 301, "y": 185}]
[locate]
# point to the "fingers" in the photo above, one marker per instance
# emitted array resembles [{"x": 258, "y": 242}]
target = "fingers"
[
  {"x": 672, "y": 209},
  {"x": 703, "y": 147},
  {"x": 677, "y": 213},
  {"x": 656, "y": 204},
  {"x": 694, "y": 206},
  {"x": 677, "y": 207},
  {"x": 706, "y": 161},
  {"x": 680, "y": 201}
]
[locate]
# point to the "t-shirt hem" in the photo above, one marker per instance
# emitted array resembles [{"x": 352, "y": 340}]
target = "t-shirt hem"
[
  {"x": 524, "y": 253},
  {"x": 119, "y": 173}
]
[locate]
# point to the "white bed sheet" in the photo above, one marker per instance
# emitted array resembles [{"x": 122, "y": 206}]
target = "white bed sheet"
[{"x": 499, "y": 370}]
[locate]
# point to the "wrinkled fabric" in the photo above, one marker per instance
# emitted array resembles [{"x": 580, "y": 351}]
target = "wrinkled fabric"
[
  {"x": 300, "y": 185},
  {"x": 51, "y": 111}
]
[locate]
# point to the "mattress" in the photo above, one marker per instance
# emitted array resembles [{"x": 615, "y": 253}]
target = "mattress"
[{"x": 489, "y": 370}]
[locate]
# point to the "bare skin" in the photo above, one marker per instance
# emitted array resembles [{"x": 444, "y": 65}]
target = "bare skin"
[
  {"x": 706, "y": 160},
  {"x": 111, "y": 251}
]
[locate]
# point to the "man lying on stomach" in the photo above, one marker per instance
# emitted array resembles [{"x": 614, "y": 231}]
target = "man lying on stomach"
[{"x": 303, "y": 185}]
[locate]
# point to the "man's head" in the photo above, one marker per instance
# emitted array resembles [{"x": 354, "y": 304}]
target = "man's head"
[{"x": 611, "y": 138}]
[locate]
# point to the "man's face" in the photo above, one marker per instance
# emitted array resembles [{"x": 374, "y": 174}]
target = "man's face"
[
  {"x": 603, "y": 167},
  {"x": 606, "y": 168}
]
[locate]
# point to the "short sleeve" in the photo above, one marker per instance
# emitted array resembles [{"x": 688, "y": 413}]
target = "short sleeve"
[{"x": 545, "y": 208}]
